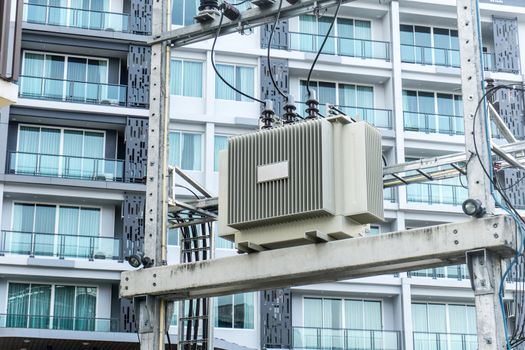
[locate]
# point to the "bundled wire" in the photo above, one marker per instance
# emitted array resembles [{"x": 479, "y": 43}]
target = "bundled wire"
[
  {"x": 268, "y": 52},
  {"x": 517, "y": 262},
  {"x": 217, "y": 71}
]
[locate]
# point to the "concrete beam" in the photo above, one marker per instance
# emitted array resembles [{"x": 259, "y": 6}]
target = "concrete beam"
[{"x": 314, "y": 263}]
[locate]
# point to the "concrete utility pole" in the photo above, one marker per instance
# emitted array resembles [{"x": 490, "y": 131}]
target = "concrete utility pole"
[
  {"x": 152, "y": 310},
  {"x": 485, "y": 241},
  {"x": 484, "y": 265}
]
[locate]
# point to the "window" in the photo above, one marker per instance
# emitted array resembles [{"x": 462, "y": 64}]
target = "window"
[
  {"x": 65, "y": 77},
  {"x": 348, "y": 37},
  {"x": 186, "y": 78},
  {"x": 68, "y": 153},
  {"x": 354, "y": 100},
  {"x": 75, "y": 225},
  {"x": 220, "y": 143},
  {"x": 433, "y": 112},
  {"x": 235, "y": 311},
  {"x": 451, "y": 319},
  {"x": 374, "y": 231},
  {"x": 75, "y": 13},
  {"x": 242, "y": 78},
  {"x": 426, "y": 45},
  {"x": 31, "y": 305},
  {"x": 185, "y": 150},
  {"x": 183, "y": 11}
]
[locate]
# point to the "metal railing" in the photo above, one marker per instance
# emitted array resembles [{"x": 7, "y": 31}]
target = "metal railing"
[
  {"x": 431, "y": 193},
  {"x": 428, "y": 55},
  {"x": 434, "y": 123},
  {"x": 90, "y": 324},
  {"x": 458, "y": 272},
  {"x": 380, "y": 118},
  {"x": 72, "y": 91},
  {"x": 53, "y": 165},
  {"x": 444, "y": 341},
  {"x": 330, "y": 338},
  {"x": 74, "y": 17},
  {"x": 59, "y": 245},
  {"x": 341, "y": 46}
]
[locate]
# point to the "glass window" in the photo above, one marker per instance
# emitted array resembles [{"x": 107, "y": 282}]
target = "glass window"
[
  {"x": 183, "y": 11},
  {"x": 29, "y": 306},
  {"x": 374, "y": 231},
  {"x": 242, "y": 78},
  {"x": 235, "y": 311},
  {"x": 220, "y": 143},
  {"x": 186, "y": 78},
  {"x": 185, "y": 150}
]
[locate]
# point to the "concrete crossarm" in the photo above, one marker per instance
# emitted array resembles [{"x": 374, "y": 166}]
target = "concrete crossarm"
[{"x": 349, "y": 258}]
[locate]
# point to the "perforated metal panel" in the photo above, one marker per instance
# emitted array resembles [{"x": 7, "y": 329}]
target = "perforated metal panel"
[
  {"x": 139, "y": 63},
  {"x": 506, "y": 45},
  {"x": 127, "y": 316},
  {"x": 133, "y": 217},
  {"x": 302, "y": 193},
  {"x": 280, "y": 36},
  {"x": 511, "y": 107},
  {"x": 281, "y": 76},
  {"x": 515, "y": 189},
  {"x": 136, "y": 139},
  {"x": 276, "y": 319},
  {"x": 140, "y": 17}
]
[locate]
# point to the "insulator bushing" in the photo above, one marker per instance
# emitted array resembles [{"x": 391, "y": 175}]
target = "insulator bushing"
[
  {"x": 312, "y": 112},
  {"x": 209, "y": 5},
  {"x": 289, "y": 115},
  {"x": 267, "y": 115}
]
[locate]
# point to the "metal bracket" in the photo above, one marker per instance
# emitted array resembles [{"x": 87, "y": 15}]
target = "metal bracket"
[
  {"x": 481, "y": 277},
  {"x": 145, "y": 313}
]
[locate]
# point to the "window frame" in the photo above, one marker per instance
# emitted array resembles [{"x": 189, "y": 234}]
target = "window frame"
[
  {"x": 183, "y": 61},
  {"x": 202, "y": 142},
  {"x": 232, "y": 296},
  {"x": 337, "y": 88},
  {"x": 235, "y": 66}
]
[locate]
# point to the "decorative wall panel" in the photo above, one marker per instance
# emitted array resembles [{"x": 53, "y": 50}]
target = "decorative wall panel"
[
  {"x": 280, "y": 39},
  {"x": 276, "y": 319},
  {"x": 136, "y": 139},
  {"x": 133, "y": 218},
  {"x": 139, "y": 63},
  {"x": 506, "y": 45},
  {"x": 281, "y": 76},
  {"x": 140, "y": 17}
]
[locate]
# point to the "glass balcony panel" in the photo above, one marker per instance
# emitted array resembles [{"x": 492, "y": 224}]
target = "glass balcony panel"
[
  {"x": 90, "y": 324},
  {"x": 352, "y": 339},
  {"x": 359, "y": 339},
  {"x": 76, "y": 17},
  {"x": 444, "y": 341},
  {"x": 342, "y": 46},
  {"x": 434, "y": 123},
  {"x": 430, "y": 55},
  {"x": 74, "y": 91}
]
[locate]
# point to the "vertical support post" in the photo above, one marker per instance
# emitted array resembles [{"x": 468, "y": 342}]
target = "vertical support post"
[
  {"x": 485, "y": 270},
  {"x": 152, "y": 309}
]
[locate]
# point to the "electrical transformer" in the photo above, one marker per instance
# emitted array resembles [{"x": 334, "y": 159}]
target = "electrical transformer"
[{"x": 291, "y": 185}]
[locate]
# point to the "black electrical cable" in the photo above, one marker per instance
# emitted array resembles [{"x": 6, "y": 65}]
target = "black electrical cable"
[
  {"x": 269, "y": 48},
  {"x": 321, "y": 47},
  {"x": 189, "y": 189},
  {"x": 240, "y": 3},
  {"x": 169, "y": 340},
  {"x": 215, "y": 68}
]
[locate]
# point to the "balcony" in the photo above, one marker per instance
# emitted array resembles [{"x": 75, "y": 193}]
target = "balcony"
[
  {"x": 75, "y": 17},
  {"x": 60, "y": 245},
  {"x": 431, "y": 123},
  {"x": 432, "y": 193},
  {"x": 73, "y": 91},
  {"x": 90, "y": 324},
  {"x": 433, "y": 56},
  {"x": 380, "y": 118},
  {"x": 489, "y": 61},
  {"x": 329, "y": 338},
  {"x": 70, "y": 167},
  {"x": 445, "y": 341},
  {"x": 340, "y": 46}
]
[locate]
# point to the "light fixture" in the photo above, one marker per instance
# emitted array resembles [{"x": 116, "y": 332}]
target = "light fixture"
[
  {"x": 473, "y": 207},
  {"x": 27, "y": 341},
  {"x": 85, "y": 343},
  {"x": 137, "y": 259}
]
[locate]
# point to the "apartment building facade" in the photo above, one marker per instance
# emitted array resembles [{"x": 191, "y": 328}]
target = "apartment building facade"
[{"x": 73, "y": 153}]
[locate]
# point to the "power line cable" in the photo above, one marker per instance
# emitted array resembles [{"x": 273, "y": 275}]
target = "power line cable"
[
  {"x": 268, "y": 52},
  {"x": 321, "y": 47},
  {"x": 215, "y": 68}
]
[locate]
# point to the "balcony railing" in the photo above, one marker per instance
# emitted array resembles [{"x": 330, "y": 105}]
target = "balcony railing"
[
  {"x": 74, "y": 17},
  {"x": 380, "y": 118},
  {"x": 59, "y": 245},
  {"x": 445, "y": 341},
  {"x": 341, "y": 46},
  {"x": 330, "y": 338},
  {"x": 430, "y": 193},
  {"x": 489, "y": 61},
  {"x": 73, "y": 91},
  {"x": 434, "y": 123},
  {"x": 430, "y": 55},
  {"x": 458, "y": 272},
  {"x": 53, "y": 165},
  {"x": 90, "y": 324}
]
